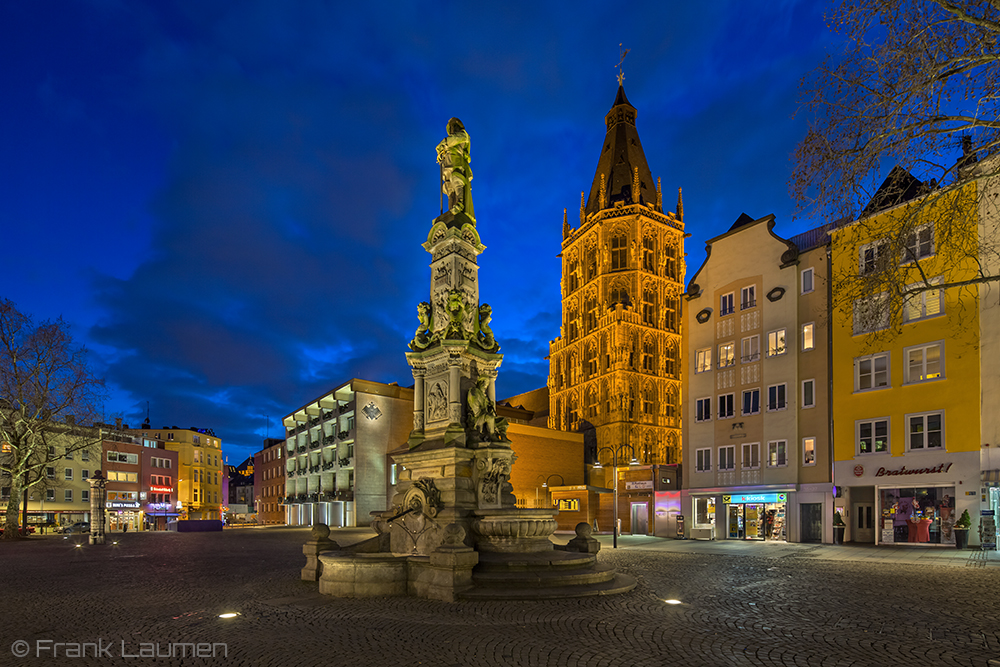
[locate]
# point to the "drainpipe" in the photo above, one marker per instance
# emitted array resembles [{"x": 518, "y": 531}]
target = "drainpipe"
[{"x": 829, "y": 362}]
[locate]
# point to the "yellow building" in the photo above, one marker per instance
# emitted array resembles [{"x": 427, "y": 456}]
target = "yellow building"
[
  {"x": 200, "y": 476},
  {"x": 907, "y": 376},
  {"x": 616, "y": 366}
]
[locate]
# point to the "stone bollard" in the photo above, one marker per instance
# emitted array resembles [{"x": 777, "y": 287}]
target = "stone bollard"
[
  {"x": 584, "y": 541},
  {"x": 319, "y": 543},
  {"x": 450, "y": 570}
]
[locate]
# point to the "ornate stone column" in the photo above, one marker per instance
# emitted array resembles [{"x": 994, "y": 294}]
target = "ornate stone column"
[
  {"x": 418, "y": 398},
  {"x": 98, "y": 496}
]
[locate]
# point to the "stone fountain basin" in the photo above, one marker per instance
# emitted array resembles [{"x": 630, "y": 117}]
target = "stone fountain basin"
[{"x": 513, "y": 530}]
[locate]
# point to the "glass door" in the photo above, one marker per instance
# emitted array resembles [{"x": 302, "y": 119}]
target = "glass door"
[{"x": 754, "y": 517}]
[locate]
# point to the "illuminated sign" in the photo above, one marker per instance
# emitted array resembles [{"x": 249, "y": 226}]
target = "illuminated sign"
[
  {"x": 116, "y": 504},
  {"x": 903, "y": 470},
  {"x": 159, "y": 506},
  {"x": 162, "y": 489},
  {"x": 755, "y": 498},
  {"x": 644, "y": 484}
]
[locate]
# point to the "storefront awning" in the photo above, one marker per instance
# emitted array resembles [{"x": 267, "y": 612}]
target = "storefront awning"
[{"x": 991, "y": 476}]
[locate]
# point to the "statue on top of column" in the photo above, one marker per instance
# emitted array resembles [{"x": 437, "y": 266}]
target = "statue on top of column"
[{"x": 456, "y": 174}]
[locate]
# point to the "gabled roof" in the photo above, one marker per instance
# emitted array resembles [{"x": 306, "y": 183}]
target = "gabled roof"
[
  {"x": 621, "y": 154},
  {"x": 898, "y": 187}
]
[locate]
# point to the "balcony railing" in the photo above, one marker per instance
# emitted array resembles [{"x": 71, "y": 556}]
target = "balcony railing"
[
  {"x": 314, "y": 469},
  {"x": 750, "y": 357}
]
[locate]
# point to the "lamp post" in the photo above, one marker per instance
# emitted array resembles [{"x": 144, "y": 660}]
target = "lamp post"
[
  {"x": 545, "y": 484},
  {"x": 614, "y": 463}
]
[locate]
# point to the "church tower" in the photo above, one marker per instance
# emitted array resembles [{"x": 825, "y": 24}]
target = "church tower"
[{"x": 617, "y": 367}]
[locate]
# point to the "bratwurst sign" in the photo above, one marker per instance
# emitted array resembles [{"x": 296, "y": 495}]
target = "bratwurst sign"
[{"x": 903, "y": 470}]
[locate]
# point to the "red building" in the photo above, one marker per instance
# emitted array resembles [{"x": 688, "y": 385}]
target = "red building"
[
  {"x": 141, "y": 482},
  {"x": 269, "y": 481}
]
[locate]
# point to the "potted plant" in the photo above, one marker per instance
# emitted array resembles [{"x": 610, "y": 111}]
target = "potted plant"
[
  {"x": 962, "y": 530},
  {"x": 838, "y": 528}
]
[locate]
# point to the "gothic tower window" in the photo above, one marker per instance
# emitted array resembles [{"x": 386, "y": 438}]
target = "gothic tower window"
[
  {"x": 670, "y": 314},
  {"x": 572, "y": 324},
  {"x": 648, "y": 356},
  {"x": 605, "y": 355},
  {"x": 670, "y": 359},
  {"x": 671, "y": 407},
  {"x": 648, "y": 400},
  {"x": 631, "y": 404},
  {"x": 574, "y": 369},
  {"x": 619, "y": 294},
  {"x": 671, "y": 254},
  {"x": 590, "y": 361},
  {"x": 590, "y": 313},
  {"x": 573, "y": 274},
  {"x": 649, "y": 254},
  {"x": 619, "y": 251},
  {"x": 649, "y": 306},
  {"x": 590, "y": 259},
  {"x": 590, "y": 406}
]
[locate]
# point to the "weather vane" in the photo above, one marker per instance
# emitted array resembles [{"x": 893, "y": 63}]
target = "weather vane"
[{"x": 621, "y": 70}]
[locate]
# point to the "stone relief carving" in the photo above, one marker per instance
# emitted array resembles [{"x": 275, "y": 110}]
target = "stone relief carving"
[
  {"x": 455, "y": 308},
  {"x": 481, "y": 418},
  {"x": 423, "y": 337},
  {"x": 485, "y": 338},
  {"x": 437, "y": 403},
  {"x": 494, "y": 473}
]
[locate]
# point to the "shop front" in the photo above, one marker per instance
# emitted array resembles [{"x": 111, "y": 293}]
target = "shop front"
[
  {"x": 756, "y": 516},
  {"x": 124, "y": 515}
]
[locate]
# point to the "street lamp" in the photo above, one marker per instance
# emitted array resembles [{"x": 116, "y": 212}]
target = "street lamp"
[
  {"x": 545, "y": 484},
  {"x": 614, "y": 463}
]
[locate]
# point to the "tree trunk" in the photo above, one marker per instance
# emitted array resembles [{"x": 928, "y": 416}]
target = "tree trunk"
[{"x": 10, "y": 521}]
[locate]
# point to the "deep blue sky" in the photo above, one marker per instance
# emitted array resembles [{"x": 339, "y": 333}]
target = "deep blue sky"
[{"x": 226, "y": 201}]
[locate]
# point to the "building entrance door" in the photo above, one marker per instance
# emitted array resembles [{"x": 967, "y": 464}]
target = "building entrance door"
[
  {"x": 864, "y": 523},
  {"x": 812, "y": 521},
  {"x": 640, "y": 518}
]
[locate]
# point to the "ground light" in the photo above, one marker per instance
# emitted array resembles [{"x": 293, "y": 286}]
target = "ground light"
[
  {"x": 229, "y": 614},
  {"x": 672, "y": 601}
]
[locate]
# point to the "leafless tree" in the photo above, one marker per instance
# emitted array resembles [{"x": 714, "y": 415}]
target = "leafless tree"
[
  {"x": 915, "y": 90},
  {"x": 47, "y": 393}
]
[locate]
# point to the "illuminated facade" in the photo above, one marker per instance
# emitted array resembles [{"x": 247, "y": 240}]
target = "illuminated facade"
[
  {"x": 269, "y": 482},
  {"x": 616, "y": 367},
  {"x": 199, "y": 479}
]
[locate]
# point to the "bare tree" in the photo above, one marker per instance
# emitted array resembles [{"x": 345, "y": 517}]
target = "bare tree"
[
  {"x": 915, "y": 89},
  {"x": 46, "y": 389}
]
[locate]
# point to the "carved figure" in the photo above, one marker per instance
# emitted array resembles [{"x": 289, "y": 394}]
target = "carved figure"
[
  {"x": 455, "y": 307},
  {"x": 481, "y": 418},
  {"x": 437, "y": 403},
  {"x": 423, "y": 336},
  {"x": 486, "y": 339},
  {"x": 453, "y": 154}
]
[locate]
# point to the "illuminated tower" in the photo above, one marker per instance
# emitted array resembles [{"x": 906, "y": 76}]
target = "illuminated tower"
[{"x": 616, "y": 366}]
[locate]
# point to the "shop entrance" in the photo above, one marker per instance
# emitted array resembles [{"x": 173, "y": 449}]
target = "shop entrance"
[
  {"x": 640, "y": 518},
  {"x": 760, "y": 517},
  {"x": 864, "y": 525}
]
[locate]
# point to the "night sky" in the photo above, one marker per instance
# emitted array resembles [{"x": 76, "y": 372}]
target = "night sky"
[{"x": 226, "y": 201}]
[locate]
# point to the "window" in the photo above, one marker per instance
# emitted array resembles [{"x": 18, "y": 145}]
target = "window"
[
  {"x": 50, "y": 494},
  {"x": 85, "y": 455},
  {"x": 648, "y": 356},
  {"x": 170, "y": 436},
  {"x": 649, "y": 307},
  {"x": 196, "y": 439},
  {"x": 573, "y": 271},
  {"x": 726, "y": 306},
  {"x": 703, "y": 460},
  {"x": 923, "y": 362},
  {"x": 50, "y": 473},
  {"x": 776, "y": 454},
  {"x": 776, "y": 343},
  {"x": 703, "y": 410},
  {"x": 748, "y": 297},
  {"x": 68, "y": 473},
  {"x": 703, "y": 360},
  {"x": 776, "y": 397},
  {"x": 751, "y": 455},
  {"x": 873, "y": 436},
  {"x": 123, "y": 457},
  {"x": 5, "y": 493},
  {"x": 872, "y": 257},
  {"x": 807, "y": 281},
  {"x": 809, "y": 393},
  {"x": 590, "y": 312},
  {"x": 68, "y": 495},
  {"x": 809, "y": 451},
  {"x": 649, "y": 254},
  {"x": 619, "y": 252},
  {"x": 919, "y": 243},
  {"x": 727, "y": 354},
  {"x": 85, "y": 495},
  {"x": 808, "y": 340},
  {"x": 925, "y": 431},
  {"x": 923, "y": 304},
  {"x": 727, "y": 457},
  {"x": 750, "y": 349},
  {"x": 725, "y": 406},
  {"x": 704, "y": 511},
  {"x": 871, "y": 372},
  {"x": 84, "y": 474},
  {"x": 751, "y": 401},
  {"x": 68, "y": 456},
  {"x": 871, "y": 313}
]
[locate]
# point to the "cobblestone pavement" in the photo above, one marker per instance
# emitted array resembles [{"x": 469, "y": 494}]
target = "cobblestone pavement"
[{"x": 160, "y": 590}]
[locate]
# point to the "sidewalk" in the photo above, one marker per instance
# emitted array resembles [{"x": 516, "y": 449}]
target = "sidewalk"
[{"x": 855, "y": 553}]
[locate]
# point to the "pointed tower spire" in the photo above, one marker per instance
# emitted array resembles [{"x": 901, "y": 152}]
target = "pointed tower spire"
[
  {"x": 566, "y": 228},
  {"x": 621, "y": 160},
  {"x": 680, "y": 206}
]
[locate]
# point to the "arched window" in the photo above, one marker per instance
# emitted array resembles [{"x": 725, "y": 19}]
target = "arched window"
[
  {"x": 619, "y": 251},
  {"x": 590, "y": 313},
  {"x": 574, "y": 369},
  {"x": 590, "y": 409},
  {"x": 648, "y": 356},
  {"x": 590, "y": 262},
  {"x": 671, "y": 407},
  {"x": 670, "y": 314},
  {"x": 572, "y": 274},
  {"x": 630, "y": 408},
  {"x": 572, "y": 324},
  {"x": 671, "y": 254},
  {"x": 649, "y": 253},
  {"x": 649, "y": 401},
  {"x": 649, "y": 306},
  {"x": 619, "y": 294},
  {"x": 670, "y": 359},
  {"x": 590, "y": 361}
]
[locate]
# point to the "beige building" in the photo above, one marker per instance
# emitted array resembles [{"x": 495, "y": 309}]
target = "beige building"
[{"x": 756, "y": 438}]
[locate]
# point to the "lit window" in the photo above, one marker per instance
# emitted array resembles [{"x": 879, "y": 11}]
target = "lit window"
[
  {"x": 751, "y": 455},
  {"x": 923, "y": 362},
  {"x": 925, "y": 431},
  {"x": 807, "y": 281},
  {"x": 871, "y": 372},
  {"x": 727, "y": 354},
  {"x": 776, "y": 454},
  {"x": 808, "y": 340},
  {"x": 873, "y": 436},
  {"x": 703, "y": 360},
  {"x": 776, "y": 342},
  {"x": 808, "y": 451}
]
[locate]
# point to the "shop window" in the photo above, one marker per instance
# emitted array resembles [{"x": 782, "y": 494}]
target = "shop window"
[
  {"x": 807, "y": 280},
  {"x": 776, "y": 397},
  {"x": 727, "y": 354},
  {"x": 924, "y": 362},
  {"x": 921, "y": 515},
  {"x": 809, "y": 451},
  {"x": 776, "y": 454},
  {"x": 703, "y": 360},
  {"x": 703, "y": 460},
  {"x": 568, "y": 504},
  {"x": 751, "y": 455},
  {"x": 751, "y": 349},
  {"x": 873, "y": 436},
  {"x": 925, "y": 304},
  {"x": 704, "y": 511},
  {"x": 776, "y": 342},
  {"x": 726, "y": 406},
  {"x": 925, "y": 431},
  {"x": 808, "y": 337},
  {"x": 726, "y": 304},
  {"x": 727, "y": 457},
  {"x": 703, "y": 410},
  {"x": 748, "y": 297},
  {"x": 871, "y": 372},
  {"x": 809, "y": 393}
]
